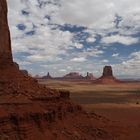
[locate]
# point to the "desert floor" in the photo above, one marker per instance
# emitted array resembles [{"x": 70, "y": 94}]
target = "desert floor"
[{"x": 117, "y": 102}]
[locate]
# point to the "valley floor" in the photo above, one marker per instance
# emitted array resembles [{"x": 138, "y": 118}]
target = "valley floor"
[{"x": 117, "y": 102}]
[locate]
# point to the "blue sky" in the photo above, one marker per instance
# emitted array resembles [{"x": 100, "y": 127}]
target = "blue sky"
[{"x": 60, "y": 36}]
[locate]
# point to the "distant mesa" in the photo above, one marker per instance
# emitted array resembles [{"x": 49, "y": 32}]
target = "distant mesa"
[
  {"x": 107, "y": 72},
  {"x": 37, "y": 77},
  {"x": 70, "y": 76},
  {"x": 48, "y": 76},
  {"x": 90, "y": 76},
  {"x": 73, "y": 75},
  {"x": 107, "y": 76}
]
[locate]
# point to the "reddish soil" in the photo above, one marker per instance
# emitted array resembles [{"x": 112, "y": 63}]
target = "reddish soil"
[{"x": 124, "y": 116}]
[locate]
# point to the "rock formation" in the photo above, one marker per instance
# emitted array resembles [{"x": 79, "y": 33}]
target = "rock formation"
[
  {"x": 37, "y": 77},
  {"x": 107, "y": 76},
  {"x": 107, "y": 71},
  {"x": 90, "y": 76},
  {"x": 48, "y": 76},
  {"x": 73, "y": 75},
  {"x": 25, "y": 72},
  {"x": 29, "y": 111},
  {"x": 5, "y": 43}
]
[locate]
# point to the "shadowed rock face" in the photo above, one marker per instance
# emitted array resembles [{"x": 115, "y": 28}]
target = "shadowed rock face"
[
  {"x": 5, "y": 43},
  {"x": 107, "y": 71}
]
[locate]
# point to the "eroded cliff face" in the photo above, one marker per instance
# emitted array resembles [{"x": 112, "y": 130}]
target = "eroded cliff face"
[
  {"x": 5, "y": 43},
  {"x": 51, "y": 121},
  {"x": 29, "y": 111}
]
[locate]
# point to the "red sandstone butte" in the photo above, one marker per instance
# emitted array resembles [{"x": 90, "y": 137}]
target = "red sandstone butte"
[
  {"x": 5, "y": 43},
  {"x": 29, "y": 111},
  {"x": 89, "y": 76},
  {"x": 48, "y": 76},
  {"x": 73, "y": 75},
  {"x": 107, "y": 76}
]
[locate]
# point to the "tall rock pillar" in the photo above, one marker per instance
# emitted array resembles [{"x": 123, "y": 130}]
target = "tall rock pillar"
[
  {"x": 107, "y": 71},
  {"x": 5, "y": 41}
]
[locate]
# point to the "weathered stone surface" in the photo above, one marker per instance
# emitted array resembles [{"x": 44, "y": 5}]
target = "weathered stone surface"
[
  {"x": 5, "y": 43},
  {"x": 107, "y": 76},
  {"x": 107, "y": 71}
]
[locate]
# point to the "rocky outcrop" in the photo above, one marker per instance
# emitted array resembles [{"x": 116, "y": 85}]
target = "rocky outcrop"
[
  {"x": 107, "y": 71},
  {"x": 25, "y": 72},
  {"x": 5, "y": 43},
  {"x": 90, "y": 76},
  {"x": 107, "y": 76},
  {"x": 53, "y": 123},
  {"x": 73, "y": 75},
  {"x": 28, "y": 121},
  {"x": 48, "y": 76}
]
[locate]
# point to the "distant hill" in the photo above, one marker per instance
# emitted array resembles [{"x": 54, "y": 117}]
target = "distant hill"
[{"x": 71, "y": 76}]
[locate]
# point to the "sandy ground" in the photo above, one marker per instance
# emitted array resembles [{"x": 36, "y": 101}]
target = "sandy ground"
[
  {"x": 127, "y": 115},
  {"x": 123, "y": 113},
  {"x": 120, "y": 102}
]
